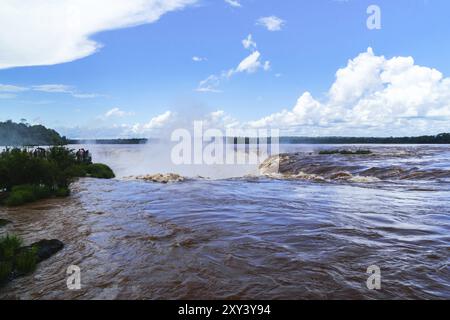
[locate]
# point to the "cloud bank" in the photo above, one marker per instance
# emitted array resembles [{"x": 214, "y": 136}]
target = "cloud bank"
[
  {"x": 48, "y": 32},
  {"x": 372, "y": 95}
]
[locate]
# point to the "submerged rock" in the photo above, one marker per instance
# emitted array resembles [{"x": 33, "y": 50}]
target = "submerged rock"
[
  {"x": 4, "y": 222},
  {"x": 47, "y": 248},
  {"x": 162, "y": 178},
  {"x": 311, "y": 167}
]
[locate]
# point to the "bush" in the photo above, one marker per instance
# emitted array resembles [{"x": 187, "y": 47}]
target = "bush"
[
  {"x": 100, "y": 171},
  {"x": 9, "y": 246},
  {"x": 14, "y": 259},
  {"x": 27, "y": 193},
  {"x": 5, "y": 270},
  {"x": 29, "y": 176},
  {"x": 62, "y": 192},
  {"x": 76, "y": 171},
  {"x": 26, "y": 260}
]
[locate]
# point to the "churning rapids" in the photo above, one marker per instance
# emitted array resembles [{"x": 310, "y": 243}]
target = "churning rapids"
[{"x": 309, "y": 230}]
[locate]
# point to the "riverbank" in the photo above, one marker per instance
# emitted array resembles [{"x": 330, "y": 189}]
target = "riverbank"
[{"x": 27, "y": 176}]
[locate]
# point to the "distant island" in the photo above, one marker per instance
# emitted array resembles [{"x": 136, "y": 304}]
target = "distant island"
[{"x": 23, "y": 134}]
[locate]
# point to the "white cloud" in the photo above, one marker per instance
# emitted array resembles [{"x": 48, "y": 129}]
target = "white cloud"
[
  {"x": 116, "y": 112},
  {"x": 53, "y": 88},
  {"x": 11, "y": 88},
  {"x": 157, "y": 122},
  {"x": 248, "y": 42},
  {"x": 62, "y": 88},
  {"x": 234, "y": 3},
  {"x": 372, "y": 95},
  {"x": 272, "y": 23},
  {"x": 250, "y": 64},
  {"x": 198, "y": 59},
  {"x": 47, "y": 32},
  {"x": 210, "y": 84},
  {"x": 10, "y": 91}
]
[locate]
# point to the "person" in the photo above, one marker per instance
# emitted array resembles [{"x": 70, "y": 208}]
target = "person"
[
  {"x": 39, "y": 152},
  {"x": 80, "y": 155},
  {"x": 87, "y": 157},
  {"x": 83, "y": 156}
]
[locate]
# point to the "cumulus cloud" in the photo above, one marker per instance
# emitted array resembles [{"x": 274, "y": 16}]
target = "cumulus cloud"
[
  {"x": 48, "y": 32},
  {"x": 271, "y": 23},
  {"x": 157, "y": 122},
  {"x": 234, "y": 3},
  {"x": 372, "y": 95},
  {"x": 249, "y": 64}
]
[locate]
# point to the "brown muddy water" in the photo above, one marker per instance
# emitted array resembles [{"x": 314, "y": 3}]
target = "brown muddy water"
[{"x": 308, "y": 232}]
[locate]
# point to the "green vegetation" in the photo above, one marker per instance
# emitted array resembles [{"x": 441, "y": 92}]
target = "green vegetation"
[
  {"x": 443, "y": 138},
  {"x": 9, "y": 245},
  {"x": 23, "y": 134},
  {"x": 345, "y": 152},
  {"x": 27, "y": 193},
  {"x": 29, "y": 176},
  {"x": 14, "y": 258},
  {"x": 26, "y": 260},
  {"x": 100, "y": 171}
]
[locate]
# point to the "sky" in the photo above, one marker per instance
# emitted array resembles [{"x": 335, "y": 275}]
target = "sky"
[{"x": 113, "y": 68}]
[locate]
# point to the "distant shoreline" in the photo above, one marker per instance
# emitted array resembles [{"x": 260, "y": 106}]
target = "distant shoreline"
[{"x": 443, "y": 138}]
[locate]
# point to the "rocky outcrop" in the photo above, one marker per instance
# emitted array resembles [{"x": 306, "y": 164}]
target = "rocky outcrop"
[
  {"x": 45, "y": 248},
  {"x": 162, "y": 178}
]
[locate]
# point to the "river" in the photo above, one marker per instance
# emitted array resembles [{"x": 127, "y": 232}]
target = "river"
[{"x": 242, "y": 235}]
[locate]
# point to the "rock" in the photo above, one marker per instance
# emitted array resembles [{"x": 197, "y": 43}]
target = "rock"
[
  {"x": 4, "y": 222},
  {"x": 341, "y": 176},
  {"x": 162, "y": 178},
  {"x": 45, "y": 248}
]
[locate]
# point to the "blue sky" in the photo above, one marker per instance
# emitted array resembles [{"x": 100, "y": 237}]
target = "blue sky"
[{"x": 144, "y": 70}]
